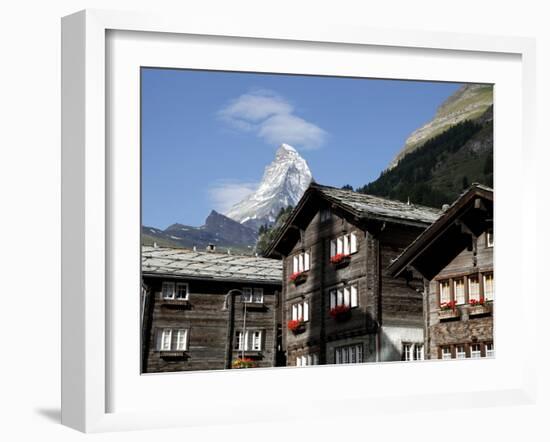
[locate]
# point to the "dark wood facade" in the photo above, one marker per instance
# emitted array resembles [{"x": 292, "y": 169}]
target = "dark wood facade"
[
  {"x": 384, "y": 312},
  {"x": 201, "y": 330},
  {"x": 459, "y": 286}
]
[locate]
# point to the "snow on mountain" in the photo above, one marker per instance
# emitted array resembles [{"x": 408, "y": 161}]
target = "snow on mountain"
[{"x": 283, "y": 184}]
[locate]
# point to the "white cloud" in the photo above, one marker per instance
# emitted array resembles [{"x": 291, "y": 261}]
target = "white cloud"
[
  {"x": 225, "y": 193},
  {"x": 272, "y": 118},
  {"x": 292, "y": 130}
]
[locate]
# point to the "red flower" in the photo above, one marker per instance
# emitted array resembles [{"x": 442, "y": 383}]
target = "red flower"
[
  {"x": 294, "y": 324},
  {"x": 339, "y": 310},
  {"x": 337, "y": 258},
  {"x": 244, "y": 363},
  {"x": 448, "y": 305},
  {"x": 295, "y": 275},
  {"x": 477, "y": 301}
]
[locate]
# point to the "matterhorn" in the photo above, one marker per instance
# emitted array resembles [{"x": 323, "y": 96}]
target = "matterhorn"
[{"x": 284, "y": 182}]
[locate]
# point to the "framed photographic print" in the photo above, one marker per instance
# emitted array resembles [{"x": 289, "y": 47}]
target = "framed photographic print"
[{"x": 254, "y": 212}]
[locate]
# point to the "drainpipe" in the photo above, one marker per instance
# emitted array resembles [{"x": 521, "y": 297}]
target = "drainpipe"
[{"x": 229, "y": 304}]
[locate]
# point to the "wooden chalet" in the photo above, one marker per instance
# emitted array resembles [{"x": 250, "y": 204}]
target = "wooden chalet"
[
  {"x": 455, "y": 256},
  {"x": 338, "y": 305},
  {"x": 208, "y": 311}
]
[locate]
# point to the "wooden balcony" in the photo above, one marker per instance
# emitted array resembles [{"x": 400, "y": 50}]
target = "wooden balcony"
[
  {"x": 258, "y": 306},
  {"x": 341, "y": 263}
]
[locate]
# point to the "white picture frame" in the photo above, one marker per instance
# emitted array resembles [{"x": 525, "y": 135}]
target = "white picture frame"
[{"x": 88, "y": 233}]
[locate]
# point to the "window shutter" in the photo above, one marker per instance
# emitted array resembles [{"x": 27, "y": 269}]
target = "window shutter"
[
  {"x": 306, "y": 311},
  {"x": 332, "y": 294},
  {"x": 300, "y": 311},
  {"x": 294, "y": 312},
  {"x": 346, "y": 245},
  {"x": 340, "y": 298},
  {"x": 353, "y": 242},
  {"x": 306, "y": 261},
  {"x": 332, "y": 248},
  {"x": 354, "y": 300},
  {"x": 294, "y": 264},
  {"x": 347, "y": 297},
  {"x": 339, "y": 245}
]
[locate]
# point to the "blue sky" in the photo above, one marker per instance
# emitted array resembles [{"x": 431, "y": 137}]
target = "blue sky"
[{"x": 207, "y": 136}]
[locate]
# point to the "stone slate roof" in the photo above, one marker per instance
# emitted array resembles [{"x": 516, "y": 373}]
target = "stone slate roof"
[
  {"x": 369, "y": 206},
  {"x": 407, "y": 255},
  {"x": 167, "y": 261}
]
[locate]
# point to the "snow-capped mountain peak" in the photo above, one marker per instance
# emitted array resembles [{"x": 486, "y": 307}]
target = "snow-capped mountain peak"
[{"x": 283, "y": 184}]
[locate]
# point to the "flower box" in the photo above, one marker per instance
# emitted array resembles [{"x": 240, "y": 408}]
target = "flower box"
[
  {"x": 173, "y": 354},
  {"x": 340, "y": 313},
  {"x": 244, "y": 363},
  {"x": 298, "y": 277},
  {"x": 296, "y": 326},
  {"x": 340, "y": 260},
  {"x": 479, "y": 308},
  {"x": 449, "y": 310},
  {"x": 175, "y": 303}
]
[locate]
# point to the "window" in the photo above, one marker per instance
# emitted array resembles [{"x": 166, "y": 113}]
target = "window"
[
  {"x": 345, "y": 244},
  {"x": 476, "y": 351},
  {"x": 460, "y": 352},
  {"x": 446, "y": 353},
  {"x": 413, "y": 352},
  {"x": 347, "y": 295},
  {"x": 301, "y": 262},
  {"x": 173, "y": 290},
  {"x": 407, "y": 352},
  {"x": 349, "y": 354},
  {"x": 444, "y": 292},
  {"x": 173, "y": 339},
  {"x": 489, "y": 238},
  {"x": 460, "y": 295},
  {"x": 489, "y": 350},
  {"x": 251, "y": 340},
  {"x": 488, "y": 287},
  {"x": 255, "y": 295},
  {"x": 306, "y": 360},
  {"x": 300, "y": 310},
  {"x": 473, "y": 287},
  {"x": 418, "y": 352}
]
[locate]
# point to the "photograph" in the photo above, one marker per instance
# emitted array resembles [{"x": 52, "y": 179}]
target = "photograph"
[{"x": 301, "y": 220}]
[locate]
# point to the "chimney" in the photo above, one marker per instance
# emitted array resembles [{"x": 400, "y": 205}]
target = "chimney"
[
  {"x": 155, "y": 245},
  {"x": 229, "y": 251},
  {"x": 445, "y": 207},
  {"x": 210, "y": 248},
  {"x": 194, "y": 248}
]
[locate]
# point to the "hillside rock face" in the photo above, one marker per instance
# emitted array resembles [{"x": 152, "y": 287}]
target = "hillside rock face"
[
  {"x": 467, "y": 103},
  {"x": 283, "y": 184},
  {"x": 218, "y": 230}
]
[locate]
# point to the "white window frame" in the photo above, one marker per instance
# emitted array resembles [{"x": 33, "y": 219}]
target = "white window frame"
[
  {"x": 301, "y": 262},
  {"x": 168, "y": 293},
  {"x": 446, "y": 353},
  {"x": 249, "y": 340},
  {"x": 349, "y": 354},
  {"x": 456, "y": 282},
  {"x": 176, "y": 294},
  {"x": 170, "y": 339},
  {"x": 475, "y": 354},
  {"x": 346, "y": 244},
  {"x": 408, "y": 351},
  {"x": 461, "y": 354},
  {"x": 250, "y": 295},
  {"x": 492, "y": 292},
  {"x": 418, "y": 352},
  {"x": 346, "y": 295},
  {"x": 490, "y": 239},
  {"x": 300, "y": 310},
  {"x": 470, "y": 279},
  {"x": 490, "y": 353},
  {"x": 444, "y": 288}
]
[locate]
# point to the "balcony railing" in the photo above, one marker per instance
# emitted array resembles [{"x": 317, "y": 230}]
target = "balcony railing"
[
  {"x": 450, "y": 313},
  {"x": 480, "y": 309}
]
